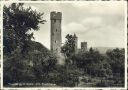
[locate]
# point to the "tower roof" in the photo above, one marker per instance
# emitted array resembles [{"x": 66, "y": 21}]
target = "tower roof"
[
  {"x": 55, "y": 15},
  {"x": 84, "y": 42}
]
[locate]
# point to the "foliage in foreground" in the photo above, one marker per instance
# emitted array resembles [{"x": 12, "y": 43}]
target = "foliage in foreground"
[{"x": 108, "y": 67}]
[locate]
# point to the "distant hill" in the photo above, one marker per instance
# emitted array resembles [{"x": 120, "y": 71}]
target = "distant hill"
[{"x": 104, "y": 49}]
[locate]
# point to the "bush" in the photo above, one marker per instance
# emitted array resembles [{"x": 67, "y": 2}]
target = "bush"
[
  {"x": 61, "y": 77},
  {"x": 103, "y": 83}
]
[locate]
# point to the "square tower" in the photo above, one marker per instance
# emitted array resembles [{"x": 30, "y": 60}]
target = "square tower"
[
  {"x": 56, "y": 39},
  {"x": 83, "y": 46},
  {"x": 76, "y": 43}
]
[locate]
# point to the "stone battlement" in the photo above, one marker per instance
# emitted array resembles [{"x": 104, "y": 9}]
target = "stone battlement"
[
  {"x": 55, "y": 15},
  {"x": 83, "y": 43}
]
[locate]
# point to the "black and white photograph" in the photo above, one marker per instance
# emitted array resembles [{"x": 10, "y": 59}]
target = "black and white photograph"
[
  {"x": 0, "y": 41},
  {"x": 65, "y": 44}
]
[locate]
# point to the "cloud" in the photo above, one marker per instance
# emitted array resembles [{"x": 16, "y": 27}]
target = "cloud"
[
  {"x": 100, "y": 24},
  {"x": 83, "y": 26},
  {"x": 74, "y": 27},
  {"x": 98, "y": 31},
  {"x": 102, "y": 7},
  {"x": 92, "y": 20}
]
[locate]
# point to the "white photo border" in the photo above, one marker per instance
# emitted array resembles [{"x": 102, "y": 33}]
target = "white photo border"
[{"x": 63, "y": 88}]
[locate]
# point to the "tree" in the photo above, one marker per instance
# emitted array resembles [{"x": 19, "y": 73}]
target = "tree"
[
  {"x": 69, "y": 47},
  {"x": 18, "y": 21},
  {"x": 14, "y": 67},
  {"x": 17, "y": 24},
  {"x": 116, "y": 60},
  {"x": 93, "y": 63},
  {"x": 63, "y": 77}
]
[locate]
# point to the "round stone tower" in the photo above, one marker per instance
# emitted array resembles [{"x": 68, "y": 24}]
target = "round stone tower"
[{"x": 56, "y": 39}]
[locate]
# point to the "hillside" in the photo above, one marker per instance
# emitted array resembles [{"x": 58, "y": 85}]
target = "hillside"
[{"x": 104, "y": 49}]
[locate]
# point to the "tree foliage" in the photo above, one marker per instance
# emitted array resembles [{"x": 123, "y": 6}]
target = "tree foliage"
[
  {"x": 40, "y": 61},
  {"x": 24, "y": 59},
  {"x": 18, "y": 21},
  {"x": 69, "y": 47},
  {"x": 93, "y": 63},
  {"x": 63, "y": 77},
  {"x": 116, "y": 60}
]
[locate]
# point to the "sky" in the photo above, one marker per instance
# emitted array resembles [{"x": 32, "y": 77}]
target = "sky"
[{"x": 100, "y": 24}]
